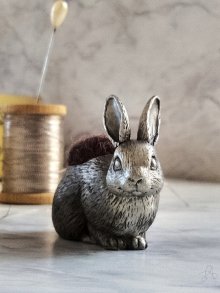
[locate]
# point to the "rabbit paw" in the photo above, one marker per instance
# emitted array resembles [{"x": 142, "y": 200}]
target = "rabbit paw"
[
  {"x": 116, "y": 244},
  {"x": 112, "y": 243},
  {"x": 135, "y": 243},
  {"x": 107, "y": 241},
  {"x": 138, "y": 243}
]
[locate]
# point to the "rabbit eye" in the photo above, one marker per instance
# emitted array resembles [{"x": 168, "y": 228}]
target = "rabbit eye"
[
  {"x": 153, "y": 164},
  {"x": 117, "y": 164}
]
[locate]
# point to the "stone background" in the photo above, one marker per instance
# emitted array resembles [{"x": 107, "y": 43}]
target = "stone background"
[{"x": 131, "y": 48}]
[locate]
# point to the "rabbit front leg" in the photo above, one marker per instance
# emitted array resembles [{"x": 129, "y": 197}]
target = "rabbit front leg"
[
  {"x": 107, "y": 241},
  {"x": 113, "y": 242}
]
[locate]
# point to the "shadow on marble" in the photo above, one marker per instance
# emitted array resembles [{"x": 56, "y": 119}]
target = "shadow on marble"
[
  {"x": 43, "y": 244},
  {"x": 63, "y": 247}
]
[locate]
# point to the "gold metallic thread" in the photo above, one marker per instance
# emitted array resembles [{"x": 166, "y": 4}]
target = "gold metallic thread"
[{"x": 33, "y": 149}]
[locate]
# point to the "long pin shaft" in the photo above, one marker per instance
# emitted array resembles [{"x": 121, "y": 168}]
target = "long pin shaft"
[{"x": 44, "y": 69}]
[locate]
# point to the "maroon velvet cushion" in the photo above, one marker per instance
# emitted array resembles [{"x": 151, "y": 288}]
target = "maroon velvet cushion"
[{"x": 89, "y": 148}]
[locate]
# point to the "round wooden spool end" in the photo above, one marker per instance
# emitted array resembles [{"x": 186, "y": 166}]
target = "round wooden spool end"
[
  {"x": 26, "y": 198},
  {"x": 41, "y": 109}
]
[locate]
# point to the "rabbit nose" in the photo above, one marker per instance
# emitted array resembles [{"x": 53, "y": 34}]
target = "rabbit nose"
[{"x": 137, "y": 181}]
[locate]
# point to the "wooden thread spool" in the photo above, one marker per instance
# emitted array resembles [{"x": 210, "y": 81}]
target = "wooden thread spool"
[{"x": 38, "y": 156}]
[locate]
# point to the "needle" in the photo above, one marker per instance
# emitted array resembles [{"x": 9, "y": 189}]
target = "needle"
[{"x": 57, "y": 16}]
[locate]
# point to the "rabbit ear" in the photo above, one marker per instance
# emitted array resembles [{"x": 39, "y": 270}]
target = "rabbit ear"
[
  {"x": 116, "y": 120},
  {"x": 150, "y": 121}
]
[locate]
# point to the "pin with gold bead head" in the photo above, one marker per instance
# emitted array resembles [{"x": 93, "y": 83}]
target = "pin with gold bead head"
[{"x": 57, "y": 16}]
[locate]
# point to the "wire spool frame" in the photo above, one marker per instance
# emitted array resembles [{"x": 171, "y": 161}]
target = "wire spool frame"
[{"x": 33, "y": 153}]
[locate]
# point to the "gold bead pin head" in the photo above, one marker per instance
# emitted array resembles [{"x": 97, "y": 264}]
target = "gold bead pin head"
[{"x": 58, "y": 13}]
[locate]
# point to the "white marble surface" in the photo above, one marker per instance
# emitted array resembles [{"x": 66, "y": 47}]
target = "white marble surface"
[
  {"x": 134, "y": 49},
  {"x": 183, "y": 253}
]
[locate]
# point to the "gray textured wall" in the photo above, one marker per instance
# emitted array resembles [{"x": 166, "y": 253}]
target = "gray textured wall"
[{"x": 134, "y": 49}]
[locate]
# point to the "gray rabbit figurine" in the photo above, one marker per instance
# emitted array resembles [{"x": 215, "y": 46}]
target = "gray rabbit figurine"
[{"x": 113, "y": 199}]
